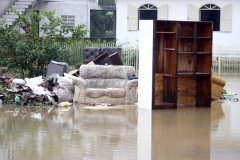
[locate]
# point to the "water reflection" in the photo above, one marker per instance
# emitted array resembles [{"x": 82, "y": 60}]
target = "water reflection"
[
  {"x": 181, "y": 134},
  {"x": 78, "y": 133},
  {"x": 217, "y": 114},
  {"x": 225, "y": 133}
]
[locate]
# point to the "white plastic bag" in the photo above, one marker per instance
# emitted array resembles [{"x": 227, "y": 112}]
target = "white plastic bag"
[
  {"x": 64, "y": 94},
  {"x": 64, "y": 81}
]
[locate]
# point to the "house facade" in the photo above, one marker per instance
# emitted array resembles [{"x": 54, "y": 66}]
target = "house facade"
[
  {"x": 224, "y": 15},
  {"x": 128, "y": 13}
]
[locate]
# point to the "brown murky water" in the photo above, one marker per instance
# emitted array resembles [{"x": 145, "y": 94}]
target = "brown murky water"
[{"x": 124, "y": 133}]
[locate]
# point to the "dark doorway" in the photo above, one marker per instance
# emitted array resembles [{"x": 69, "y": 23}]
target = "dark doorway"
[
  {"x": 212, "y": 15},
  {"x": 148, "y": 14}
]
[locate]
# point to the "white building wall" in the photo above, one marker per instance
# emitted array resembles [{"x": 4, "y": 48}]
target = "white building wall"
[{"x": 178, "y": 10}]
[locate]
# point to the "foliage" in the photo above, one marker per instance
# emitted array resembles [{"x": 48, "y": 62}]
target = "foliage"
[
  {"x": 106, "y": 2},
  {"x": 101, "y": 24},
  {"x": 78, "y": 32},
  {"x": 30, "y": 54},
  {"x": 77, "y": 51}
]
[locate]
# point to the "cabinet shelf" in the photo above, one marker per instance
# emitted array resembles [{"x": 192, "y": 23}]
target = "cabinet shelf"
[
  {"x": 192, "y": 73},
  {"x": 201, "y": 73},
  {"x": 186, "y": 73},
  {"x": 184, "y": 37},
  {"x": 166, "y": 32},
  {"x": 169, "y": 49},
  {"x": 204, "y": 37},
  {"x": 168, "y": 75},
  {"x": 185, "y": 52},
  {"x": 204, "y": 52}
]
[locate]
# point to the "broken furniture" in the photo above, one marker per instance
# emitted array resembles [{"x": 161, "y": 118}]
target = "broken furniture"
[
  {"x": 115, "y": 59},
  {"x": 100, "y": 58},
  {"x": 94, "y": 54},
  {"x": 181, "y": 63},
  {"x": 57, "y": 67},
  {"x": 217, "y": 87},
  {"x": 105, "y": 84}
]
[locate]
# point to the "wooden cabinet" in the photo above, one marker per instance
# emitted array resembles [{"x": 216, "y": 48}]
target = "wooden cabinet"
[{"x": 182, "y": 62}]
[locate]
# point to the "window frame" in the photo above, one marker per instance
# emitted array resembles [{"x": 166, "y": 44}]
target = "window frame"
[
  {"x": 133, "y": 15},
  {"x": 147, "y": 7},
  {"x": 210, "y": 7},
  {"x": 225, "y": 16}
]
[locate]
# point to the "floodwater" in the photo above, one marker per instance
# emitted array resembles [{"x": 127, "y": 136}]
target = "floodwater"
[{"x": 124, "y": 132}]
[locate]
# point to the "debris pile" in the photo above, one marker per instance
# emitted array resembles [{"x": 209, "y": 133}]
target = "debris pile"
[
  {"x": 37, "y": 91},
  {"x": 55, "y": 89}
]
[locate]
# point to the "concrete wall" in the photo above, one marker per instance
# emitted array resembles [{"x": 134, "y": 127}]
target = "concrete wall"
[
  {"x": 177, "y": 10},
  {"x": 79, "y": 8},
  {"x": 4, "y": 5}
]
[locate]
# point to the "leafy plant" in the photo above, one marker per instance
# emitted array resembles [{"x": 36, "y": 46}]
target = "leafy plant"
[
  {"x": 77, "y": 52},
  {"x": 30, "y": 53},
  {"x": 101, "y": 21}
]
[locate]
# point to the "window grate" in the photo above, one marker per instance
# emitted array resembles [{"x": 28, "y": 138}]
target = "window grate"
[
  {"x": 69, "y": 20},
  {"x": 148, "y": 7},
  {"x": 209, "y": 7}
]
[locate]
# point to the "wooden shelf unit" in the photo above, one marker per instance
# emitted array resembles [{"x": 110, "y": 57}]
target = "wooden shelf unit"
[{"x": 182, "y": 62}]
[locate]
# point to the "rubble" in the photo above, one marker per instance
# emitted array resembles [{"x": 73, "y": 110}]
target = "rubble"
[{"x": 38, "y": 91}]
